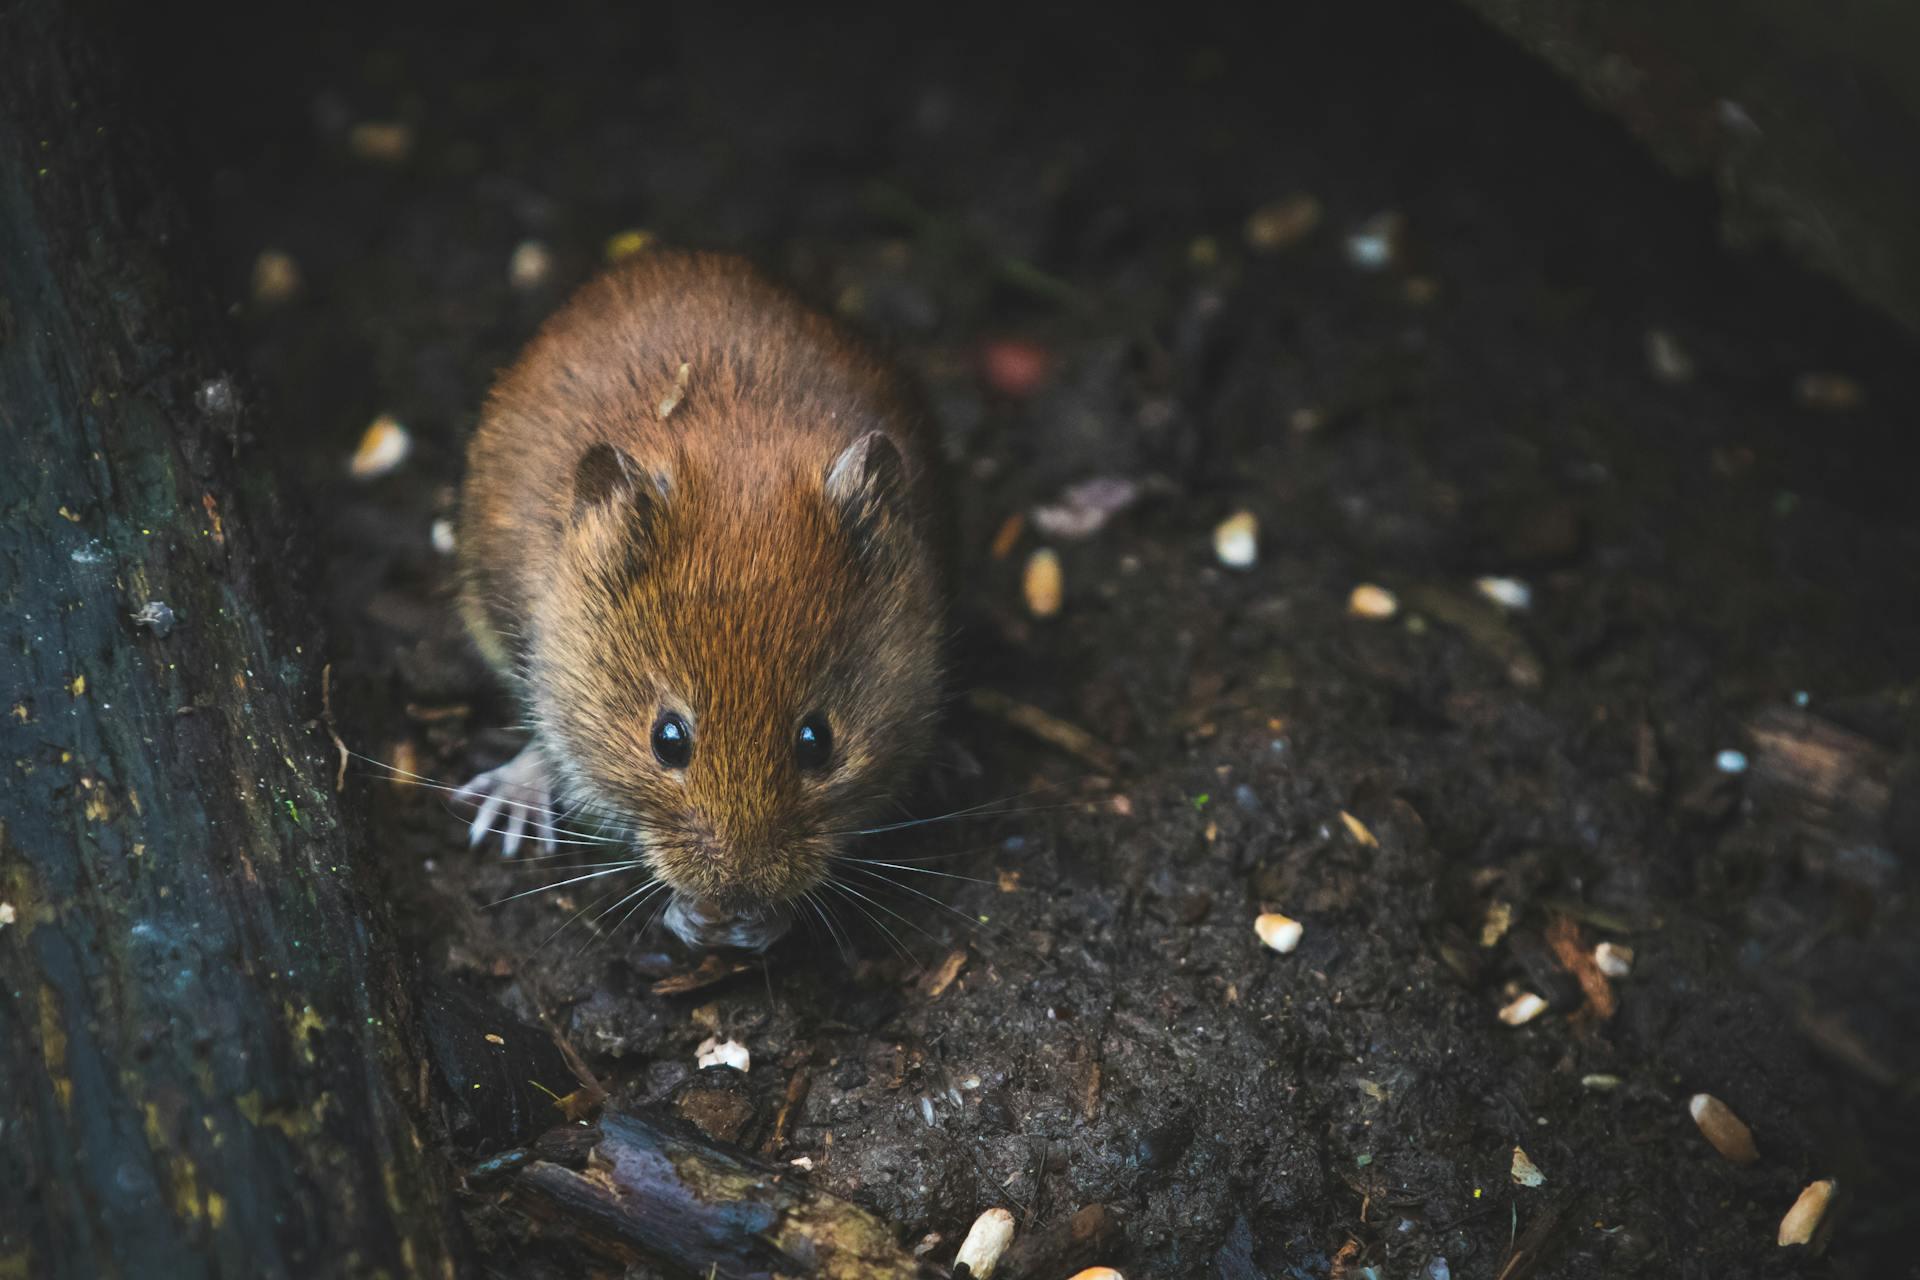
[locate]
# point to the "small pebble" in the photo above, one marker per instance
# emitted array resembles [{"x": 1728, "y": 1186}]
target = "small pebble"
[
  {"x": 1097, "y": 1273},
  {"x": 1370, "y": 601},
  {"x": 1508, "y": 593},
  {"x": 1613, "y": 960},
  {"x": 624, "y": 244},
  {"x": 1731, "y": 761},
  {"x": 276, "y": 277},
  {"x": 1042, "y": 583},
  {"x": 987, "y": 1240},
  {"x": 383, "y": 141},
  {"x": 530, "y": 266},
  {"x": 1725, "y": 1130},
  {"x": 1282, "y": 223},
  {"x": 1236, "y": 540},
  {"x": 8, "y": 914},
  {"x": 1376, "y": 244},
  {"x": 1437, "y": 1269},
  {"x": 802, "y": 1163},
  {"x": 1667, "y": 360},
  {"x": 1525, "y": 1172},
  {"x": 1803, "y": 1222},
  {"x": 442, "y": 535},
  {"x": 383, "y": 446},
  {"x": 1522, "y": 1009},
  {"x": 1281, "y": 933},
  {"x": 715, "y": 1052},
  {"x": 1828, "y": 392},
  {"x": 156, "y": 616}
]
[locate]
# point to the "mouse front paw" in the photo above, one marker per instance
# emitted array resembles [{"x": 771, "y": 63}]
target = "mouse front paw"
[{"x": 514, "y": 797}]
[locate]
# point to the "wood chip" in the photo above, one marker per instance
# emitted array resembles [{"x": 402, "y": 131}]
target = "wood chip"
[
  {"x": 713, "y": 968},
  {"x": 1358, "y": 830},
  {"x": 1563, "y": 936},
  {"x": 943, "y": 977},
  {"x": 1044, "y": 725}
]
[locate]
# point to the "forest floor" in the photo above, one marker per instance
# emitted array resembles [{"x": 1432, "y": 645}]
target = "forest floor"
[{"x": 1545, "y": 369}]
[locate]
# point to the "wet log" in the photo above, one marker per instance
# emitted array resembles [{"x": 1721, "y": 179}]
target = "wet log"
[
  {"x": 636, "y": 1188},
  {"x": 208, "y": 1051}
]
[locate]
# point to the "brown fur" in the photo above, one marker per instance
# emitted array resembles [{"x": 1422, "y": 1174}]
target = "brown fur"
[{"x": 711, "y": 573}]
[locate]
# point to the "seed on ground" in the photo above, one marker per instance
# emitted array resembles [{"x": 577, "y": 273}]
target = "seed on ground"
[
  {"x": 1522, "y": 1009},
  {"x": 1042, "y": 583},
  {"x": 1370, "y": 601},
  {"x": 1282, "y": 933},
  {"x": 1803, "y": 1222},
  {"x": 1236, "y": 540},
  {"x": 986, "y": 1240},
  {"x": 1725, "y": 1130}
]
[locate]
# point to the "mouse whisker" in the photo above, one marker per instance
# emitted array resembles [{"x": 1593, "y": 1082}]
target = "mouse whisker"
[
  {"x": 844, "y": 887},
  {"x": 972, "y": 923},
  {"x": 638, "y": 898},
  {"x": 575, "y": 917},
  {"x": 825, "y": 910},
  {"x": 616, "y": 869},
  {"x": 983, "y": 809},
  {"x": 919, "y": 871},
  {"x": 892, "y": 938}
]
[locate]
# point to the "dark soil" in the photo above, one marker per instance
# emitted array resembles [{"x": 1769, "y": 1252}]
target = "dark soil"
[{"x": 1698, "y": 553}]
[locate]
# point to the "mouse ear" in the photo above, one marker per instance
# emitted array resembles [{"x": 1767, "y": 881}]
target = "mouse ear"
[
  {"x": 866, "y": 483},
  {"x": 605, "y": 475}
]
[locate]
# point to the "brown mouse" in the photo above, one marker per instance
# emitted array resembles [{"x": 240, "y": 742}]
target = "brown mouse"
[{"x": 699, "y": 538}]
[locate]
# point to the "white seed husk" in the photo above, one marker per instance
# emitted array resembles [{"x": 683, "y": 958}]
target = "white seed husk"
[
  {"x": 1725, "y": 1130},
  {"x": 530, "y": 265},
  {"x": 987, "y": 1240},
  {"x": 1508, "y": 593},
  {"x": 383, "y": 446},
  {"x": 715, "y": 1052},
  {"x": 1236, "y": 540},
  {"x": 1282, "y": 933},
  {"x": 1613, "y": 960},
  {"x": 1522, "y": 1009}
]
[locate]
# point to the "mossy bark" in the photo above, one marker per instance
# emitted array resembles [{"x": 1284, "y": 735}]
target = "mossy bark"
[{"x": 205, "y": 1041}]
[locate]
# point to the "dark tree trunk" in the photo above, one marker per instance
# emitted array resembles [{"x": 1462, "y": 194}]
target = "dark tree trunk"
[{"x": 209, "y": 1059}]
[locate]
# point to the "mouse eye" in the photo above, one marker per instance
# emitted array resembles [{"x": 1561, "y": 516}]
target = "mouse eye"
[
  {"x": 813, "y": 745},
  {"x": 672, "y": 741}
]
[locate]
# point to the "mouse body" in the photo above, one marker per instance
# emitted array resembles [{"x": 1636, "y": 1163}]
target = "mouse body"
[{"x": 700, "y": 538}]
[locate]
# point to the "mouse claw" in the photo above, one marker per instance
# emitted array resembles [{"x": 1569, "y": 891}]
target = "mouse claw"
[{"x": 511, "y": 797}]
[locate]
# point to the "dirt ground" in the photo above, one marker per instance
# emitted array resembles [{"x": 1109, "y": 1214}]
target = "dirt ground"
[{"x": 1062, "y": 1000}]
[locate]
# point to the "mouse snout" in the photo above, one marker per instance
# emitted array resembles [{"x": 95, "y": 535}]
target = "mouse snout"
[{"x": 706, "y": 923}]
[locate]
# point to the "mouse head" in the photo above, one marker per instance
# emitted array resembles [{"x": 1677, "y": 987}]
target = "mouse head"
[{"x": 739, "y": 669}]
